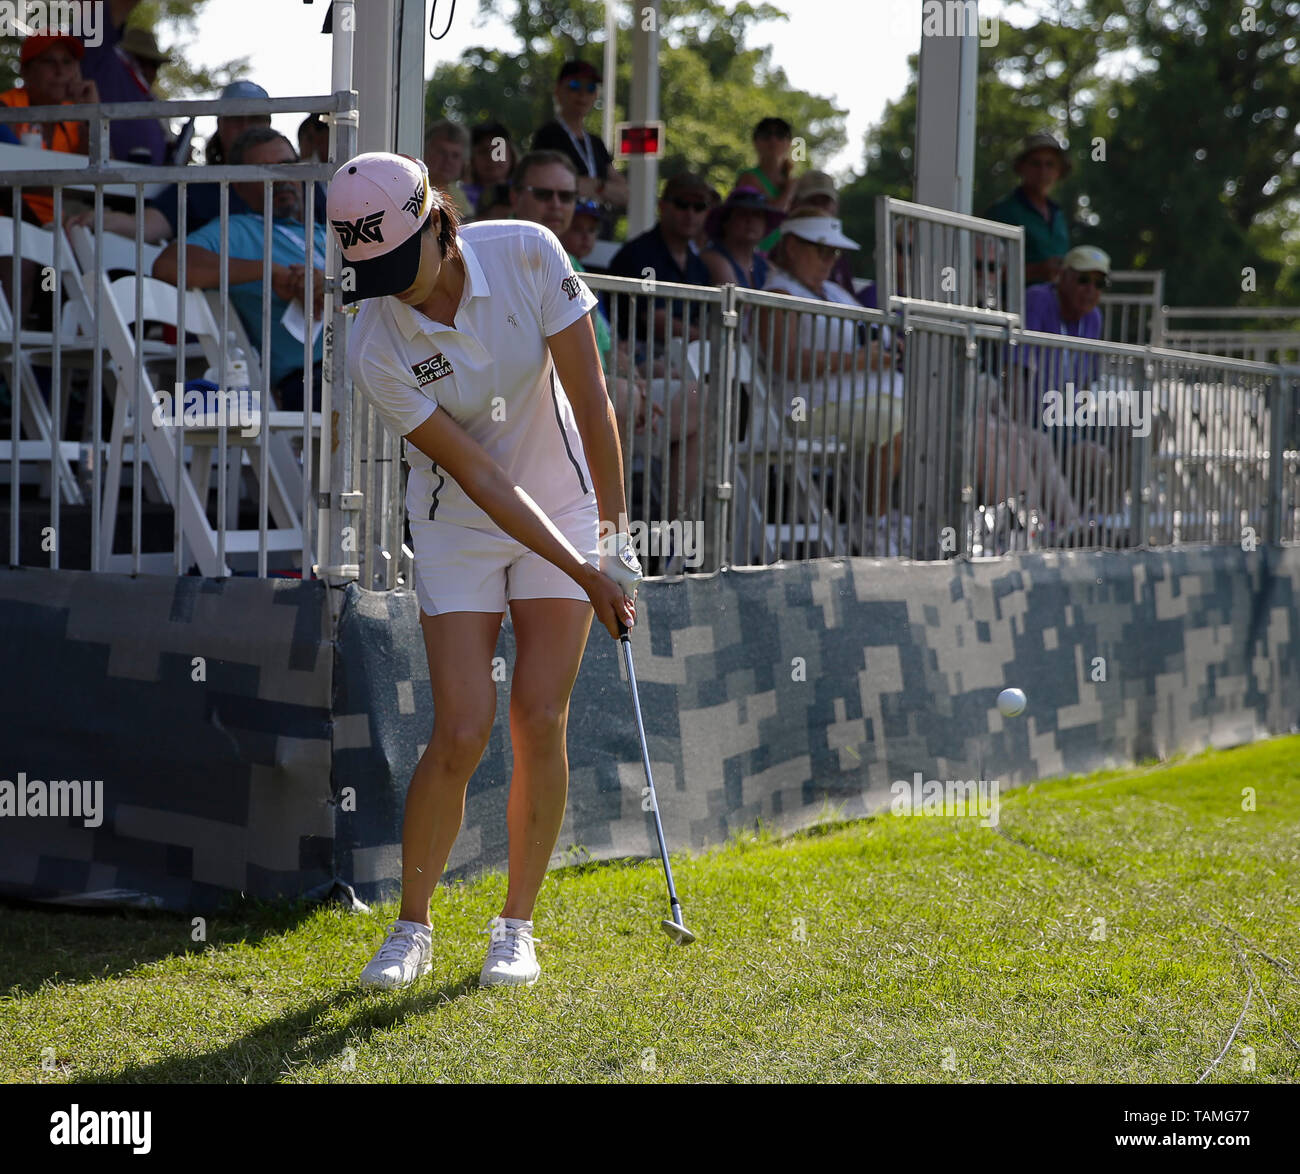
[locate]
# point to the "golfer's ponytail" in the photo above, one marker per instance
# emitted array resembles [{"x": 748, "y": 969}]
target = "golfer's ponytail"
[{"x": 444, "y": 204}]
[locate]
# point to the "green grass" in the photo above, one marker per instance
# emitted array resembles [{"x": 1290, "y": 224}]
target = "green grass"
[{"x": 930, "y": 949}]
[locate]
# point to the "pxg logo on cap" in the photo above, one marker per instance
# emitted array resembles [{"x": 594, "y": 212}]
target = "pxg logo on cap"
[{"x": 378, "y": 203}]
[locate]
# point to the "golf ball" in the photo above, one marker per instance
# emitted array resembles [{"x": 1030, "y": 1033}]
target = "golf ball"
[{"x": 1011, "y": 702}]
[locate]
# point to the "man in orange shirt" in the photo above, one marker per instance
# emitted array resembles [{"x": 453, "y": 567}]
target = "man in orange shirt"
[{"x": 51, "y": 73}]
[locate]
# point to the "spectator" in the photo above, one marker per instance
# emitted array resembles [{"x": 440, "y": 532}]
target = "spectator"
[
  {"x": 51, "y": 72},
  {"x": 848, "y": 383},
  {"x": 734, "y": 229},
  {"x": 583, "y": 231},
  {"x": 576, "y": 90},
  {"x": 124, "y": 66},
  {"x": 446, "y": 145},
  {"x": 1067, "y": 306},
  {"x": 773, "y": 174},
  {"x": 810, "y": 242},
  {"x": 202, "y": 200},
  {"x": 713, "y": 199},
  {"x": 544, "y": 190},
  {"x": 231, "y": 126},
  {"x": 314, "y": 139},
  {"x": 666, "y": 252},
  {"x": 288, "y": 256},
  {"x": 818, "y": 189},
  {"x": 492, "y": 162},
  {"x": 1041, "y": 162}
]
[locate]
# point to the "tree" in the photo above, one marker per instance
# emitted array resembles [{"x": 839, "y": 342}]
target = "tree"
[
  {"x": 713, "y": 88},
  {"x": 1202, "y": 175},
  {"x": 1183, "y": 142}
]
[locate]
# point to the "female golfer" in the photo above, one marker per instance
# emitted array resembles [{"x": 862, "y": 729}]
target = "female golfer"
[{"x": 477, "y": 347}]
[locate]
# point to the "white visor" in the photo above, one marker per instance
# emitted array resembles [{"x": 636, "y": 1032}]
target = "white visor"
[{"x": 821, "y": 230}]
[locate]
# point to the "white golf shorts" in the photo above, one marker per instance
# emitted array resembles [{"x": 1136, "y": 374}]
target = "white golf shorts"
[{"x": 460, "y": 569}]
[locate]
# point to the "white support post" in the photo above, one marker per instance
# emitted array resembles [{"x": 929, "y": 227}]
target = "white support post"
[
  {"x": 945, "y": 107},
  {"x": 643, "y": 106}
]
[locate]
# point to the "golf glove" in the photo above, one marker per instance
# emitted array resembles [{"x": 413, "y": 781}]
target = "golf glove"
[{"x": 618, "y": 560}]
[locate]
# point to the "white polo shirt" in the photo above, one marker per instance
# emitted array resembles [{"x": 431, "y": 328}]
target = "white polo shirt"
[{"x": 493, "y": 372}]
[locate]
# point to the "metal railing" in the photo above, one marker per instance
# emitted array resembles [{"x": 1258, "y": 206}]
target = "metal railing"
[
  {"x": 1130, "y": 309},
  {"x": 936, "y": 257},
  {"x": 156, "y": 444},
  {"x": 1237, "y": 331},
  {"x": 755, "y": 426}
]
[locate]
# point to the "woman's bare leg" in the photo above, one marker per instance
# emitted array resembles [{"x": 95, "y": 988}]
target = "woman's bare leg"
[
  {"x": 550, "y": 635},
  {"x": 459, "y": 646}
]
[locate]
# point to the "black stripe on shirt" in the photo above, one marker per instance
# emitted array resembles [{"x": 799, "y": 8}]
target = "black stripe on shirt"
[
  {"x": 555, "y": 399},
  {"x": 433, "y": 501}
]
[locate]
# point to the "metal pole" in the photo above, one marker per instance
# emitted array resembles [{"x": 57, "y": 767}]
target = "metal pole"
[
  {"x": 333, "y": 565},
  {"x": 609, "y": 70},
  {"x": 643, "y": 170}
]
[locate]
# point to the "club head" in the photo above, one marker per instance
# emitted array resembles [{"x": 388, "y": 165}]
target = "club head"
[{"x": 679, "y": 933}]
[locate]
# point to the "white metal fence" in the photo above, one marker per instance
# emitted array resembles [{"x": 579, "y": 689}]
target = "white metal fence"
[{"x": 755, "y": 426}]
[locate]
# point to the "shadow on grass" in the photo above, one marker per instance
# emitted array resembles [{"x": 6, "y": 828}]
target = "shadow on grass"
[
  {"x": 40, "y": 943},
  {"x": 272, "y": 1051}
]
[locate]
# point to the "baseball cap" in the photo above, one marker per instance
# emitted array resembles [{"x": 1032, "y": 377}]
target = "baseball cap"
[
  {"x": 33, "y": 47},
  {"x": 244, "y": 89},
  {"x": 1086, "y": 259},
  {"x": 377, "y": 204},
  {"x": 814, "y": 183},
  {"x": 589, "y": 208},
  {"x": 143, "y": 44},
  {"x": 745, "y": 200},
  {"x": 1041, "y": 141},
  {"x": 820, "y": 230}
]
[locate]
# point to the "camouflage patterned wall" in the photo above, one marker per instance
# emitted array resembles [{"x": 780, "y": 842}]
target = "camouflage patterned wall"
[
  {"x": 789, "y": 694},
  {"x": 203, "y": 707},
  {"x": 774, "y": 693}
]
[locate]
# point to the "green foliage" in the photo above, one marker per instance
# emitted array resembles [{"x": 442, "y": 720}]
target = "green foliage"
[
  {"x": 1202, "y": 176},
  {"x": 713, "y": 88},
  {"x": 1197, "y": 119}
]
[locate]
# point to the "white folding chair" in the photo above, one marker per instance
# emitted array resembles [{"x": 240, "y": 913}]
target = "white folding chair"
[
  {"x": 135, "y": 401},
  {"x": 35, "y": 419}
]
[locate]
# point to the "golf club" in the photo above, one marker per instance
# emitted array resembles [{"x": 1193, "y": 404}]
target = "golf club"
[{"x": 673, "y": 926}]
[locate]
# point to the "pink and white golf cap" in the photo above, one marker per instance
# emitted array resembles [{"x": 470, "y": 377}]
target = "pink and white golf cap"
[{"x": 378, "y": 203}]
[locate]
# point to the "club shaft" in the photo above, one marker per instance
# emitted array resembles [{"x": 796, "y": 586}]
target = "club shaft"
[{"x": 649, "y": 777}]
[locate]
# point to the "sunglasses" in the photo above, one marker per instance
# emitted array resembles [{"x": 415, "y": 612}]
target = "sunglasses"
[
  {"x": 546, "y": 195},
  {"x": 689, "y": 205},
  {"x": 824, "y": 252},
  {"x": 1101, "y": 281},
  {"x": 578, "y": 87}
]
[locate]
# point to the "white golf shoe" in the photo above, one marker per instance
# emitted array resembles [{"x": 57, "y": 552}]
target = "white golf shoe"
[
  {"x": 404, "y": 957},
  {"x": 511, "y": 959}
]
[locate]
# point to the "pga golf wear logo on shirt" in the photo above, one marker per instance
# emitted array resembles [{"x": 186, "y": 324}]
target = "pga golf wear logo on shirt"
[
  {"x": 78, "y": 1126},
  {"x": 65, "y": 18},
  {"x": 26, "y": 798},
  {"x": 572, "y": 287},
  {"x": 363, "y": 230},
  {"x": 431, "y": 369}
]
